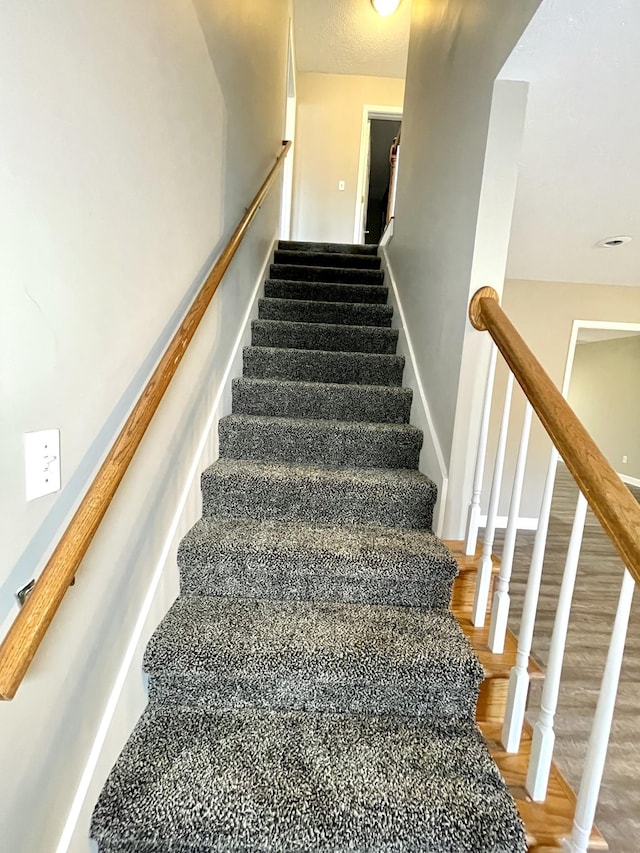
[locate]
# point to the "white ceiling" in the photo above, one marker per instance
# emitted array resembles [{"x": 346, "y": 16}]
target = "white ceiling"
[
  {"x": 579, "y": 179},
  {"x": 349, "y": 37},
  {"x": 580, "y": 167}
]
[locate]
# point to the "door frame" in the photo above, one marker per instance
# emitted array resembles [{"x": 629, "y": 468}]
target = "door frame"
[
  {"x": 571, "y": 353},
  {"x": 286, "y": 201},
  {"x": 369, "y": 111}
]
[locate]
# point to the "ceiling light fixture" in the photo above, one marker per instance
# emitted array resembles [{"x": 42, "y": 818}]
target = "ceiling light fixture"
[
  {"x": 613, "y": 242},
  {"x": 385, "y": 7}
]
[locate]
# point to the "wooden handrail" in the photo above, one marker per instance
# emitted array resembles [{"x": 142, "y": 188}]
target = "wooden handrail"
[
  {"x": 31, "y": 624},
  {"x": 611, "y": 501}
]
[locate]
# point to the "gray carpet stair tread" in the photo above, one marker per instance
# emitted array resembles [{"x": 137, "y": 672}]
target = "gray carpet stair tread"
[
  {"x": 340, "y": 248},
  {"x": 309, "y": 690},
  {"x": 323, "y": 336},
  {"x": 325, "y": 291},
  {"x": 327, "y": 442},
  {"x": 300, "y": 655},
  {"x": 307, "y": 311},
  {"x": 300, "y": 272},
  {"x": 352, "y": 368},
  {"x": 277, "y": 559},
  {"x": 242, "y": 488},
  {"x": 190, "y": 780},
  {"x": 327, "y": 259},
  {"x": 347, "y": 402}
]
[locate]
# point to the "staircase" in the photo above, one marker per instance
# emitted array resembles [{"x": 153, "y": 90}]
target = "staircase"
[{"x": 310, "y": 690}]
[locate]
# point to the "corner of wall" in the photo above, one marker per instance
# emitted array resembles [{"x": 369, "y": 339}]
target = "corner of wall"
[
  {"x": 491, "y": 245},
  {"x": 432, "y": 460}
]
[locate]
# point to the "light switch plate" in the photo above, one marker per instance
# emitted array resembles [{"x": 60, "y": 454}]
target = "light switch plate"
[{"x": 42, "y": 462}]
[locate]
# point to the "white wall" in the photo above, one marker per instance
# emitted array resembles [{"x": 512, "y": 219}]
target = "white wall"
[
  {"x": 603, "y": 392},
  {"x": 329, "y": 125},
  {"x": 133, "y": 137},
  {"x": 455, "y": 53}
]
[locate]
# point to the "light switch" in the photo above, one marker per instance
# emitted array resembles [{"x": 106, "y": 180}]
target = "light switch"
[
  {"x": 42, "y": 462},
  {"x": 341, "y": 185}
]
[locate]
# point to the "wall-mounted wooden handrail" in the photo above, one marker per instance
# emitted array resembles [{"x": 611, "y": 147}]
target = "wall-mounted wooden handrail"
[
  {"x": 611, "y": 501},
  {"x": 31, "y": 623}
]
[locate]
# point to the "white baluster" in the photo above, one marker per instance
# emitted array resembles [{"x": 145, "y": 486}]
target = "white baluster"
[
  {"x": 483, "y": 579},
  {"x": 543, "y": 733},
  {"x": 601, "y": 728},
  {"x": 501, "y": 600},
  {"x": 473, "y": 519},
  {"x": 519, "y": 676}
]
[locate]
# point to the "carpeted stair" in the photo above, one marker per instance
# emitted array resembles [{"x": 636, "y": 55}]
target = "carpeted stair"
[{"x": 309, "y": 690}]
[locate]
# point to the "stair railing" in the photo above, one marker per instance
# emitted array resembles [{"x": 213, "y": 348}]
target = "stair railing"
[
  {"x": 30, "y": 625},
  {"x": 601, "y": 488}
]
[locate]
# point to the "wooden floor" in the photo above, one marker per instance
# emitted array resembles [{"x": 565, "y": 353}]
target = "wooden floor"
[{"x": 595, "y": 601}]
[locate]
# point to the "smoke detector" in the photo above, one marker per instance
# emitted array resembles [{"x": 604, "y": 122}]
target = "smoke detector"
[{"x": 612, "y": 242}]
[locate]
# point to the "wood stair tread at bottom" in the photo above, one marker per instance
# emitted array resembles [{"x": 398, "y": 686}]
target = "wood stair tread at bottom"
[
  {"x": 495, "y": 665},
  {"x": 469, "y": 562},
  {"x": 546, "y": 823},
  {"x": 464, "y": 588},
  {"x": 492, "y": 700}
]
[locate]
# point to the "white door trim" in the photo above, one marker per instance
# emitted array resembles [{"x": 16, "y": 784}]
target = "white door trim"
[
  {"x": 589, "y": 324},
  {"x": 289, "y": 133},
  {"x": 369, "y": 111}
]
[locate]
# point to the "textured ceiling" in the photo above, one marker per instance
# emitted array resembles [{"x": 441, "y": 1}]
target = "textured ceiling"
[
  {"x": 579, "y": 179},
  {"x": 349, "y": 37}
]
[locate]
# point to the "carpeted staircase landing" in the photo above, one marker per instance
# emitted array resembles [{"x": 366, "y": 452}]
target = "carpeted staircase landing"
[{"x": 309, "y": 690}]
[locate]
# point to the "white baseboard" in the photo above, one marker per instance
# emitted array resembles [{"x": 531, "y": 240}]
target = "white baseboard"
[
  {"x": 432, "y": 456},
  {"x": 133, "y": 648},
  {"x": 630, "y": 481},
  {"x": 523, "y": 523}
]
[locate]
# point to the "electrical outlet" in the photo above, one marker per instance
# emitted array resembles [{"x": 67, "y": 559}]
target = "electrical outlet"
[
  {"x": 42, "y": 462},
  {"x": 624, "y": 460},
  {"x": 341, "y": 185}
]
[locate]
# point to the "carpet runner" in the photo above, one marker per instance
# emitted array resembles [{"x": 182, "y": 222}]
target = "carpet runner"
[{"x": 309, "y": 690}]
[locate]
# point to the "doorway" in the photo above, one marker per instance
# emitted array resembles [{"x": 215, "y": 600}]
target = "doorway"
[
  {"x": 383, "y": 145},
  {"x": 603, "y": 364},
  {"x": 376, "y": 173}
]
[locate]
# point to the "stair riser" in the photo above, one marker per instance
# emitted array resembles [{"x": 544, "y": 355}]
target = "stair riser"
[
  {"x": 409, "y": 505},
  {"x": 492, "y": 700},
  {"x": 339, "y": 248},
  {"x": 314, "y": 400},
  {"x": 297, "y": 272},
  {"x": 284, "y": 691},
  {"x": 274, "y": 333},
  {"x": 240, "y": 558},
  {"x": 318, "y": 366},
  {"x": 302, "y": 579},
  {"x": 326, "y": 445},
  {"x": 325, "y": 291},
  {"x": 327, "y": 259},
  {"x": 305, "y": 311}
]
